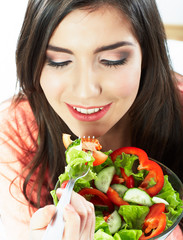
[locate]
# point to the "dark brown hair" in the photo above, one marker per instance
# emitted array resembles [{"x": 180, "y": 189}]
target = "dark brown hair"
[{"x": 155, "y": 114}]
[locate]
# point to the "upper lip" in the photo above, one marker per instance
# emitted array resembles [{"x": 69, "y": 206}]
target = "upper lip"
[{"x": 88, "y": 107}]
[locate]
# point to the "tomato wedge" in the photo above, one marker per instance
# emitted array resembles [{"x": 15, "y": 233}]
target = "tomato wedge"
[
  {"x": 100, "y": 158},
  {"x": 66, "y": 138},
  {"x": 155, "y": 221},
  {"x": 92, "y": 192},
  {"x": 115, "y": 198},
  {"x": 88, "y": 144},
  {"x": 64, "y": 184}
]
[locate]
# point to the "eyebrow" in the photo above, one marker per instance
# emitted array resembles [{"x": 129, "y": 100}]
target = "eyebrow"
[
  {"x": 100, "y": 49},
  {"x": 113, "y": 46}
]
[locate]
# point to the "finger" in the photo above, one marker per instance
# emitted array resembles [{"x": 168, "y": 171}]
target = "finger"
[
  {"x": 41, "y": 218},
  {"x": 72, "y": 223},
  {"x": 85, "y": 218},
  {"x": 88, "y": 231},
  {"x": 78, "y": 203},
  {"x": 84, "y": 209},
  {"x": 92, "y": 229}
]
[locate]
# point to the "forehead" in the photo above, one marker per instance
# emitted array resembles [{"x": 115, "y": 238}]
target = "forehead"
[{"x": 102, "y": 23}]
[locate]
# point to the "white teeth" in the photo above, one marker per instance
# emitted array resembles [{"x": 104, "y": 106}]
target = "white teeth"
[
  {"x": 87, "y": 111},
  {"x": 91, "y": 111}
]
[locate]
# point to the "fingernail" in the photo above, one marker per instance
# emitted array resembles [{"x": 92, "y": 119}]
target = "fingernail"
[{"x": 59, "y": 191}]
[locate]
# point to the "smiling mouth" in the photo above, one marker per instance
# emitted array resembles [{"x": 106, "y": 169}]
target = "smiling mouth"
[{"x": 87, "y": 111}]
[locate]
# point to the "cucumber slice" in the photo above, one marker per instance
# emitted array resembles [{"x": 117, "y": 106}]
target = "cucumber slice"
[
  {"x": 114, "y": 222},
  {"x": 137, "y": 196},
  {"x": 159, "y": 200},
  {"x": 104, "y": 178},
  {"x": 120, "y": 189}
]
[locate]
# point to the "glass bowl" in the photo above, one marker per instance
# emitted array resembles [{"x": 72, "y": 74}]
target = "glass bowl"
[{"x": 178, "y": 186}]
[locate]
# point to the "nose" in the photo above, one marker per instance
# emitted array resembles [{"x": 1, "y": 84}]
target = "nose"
[{"x": 86, "y": 83}]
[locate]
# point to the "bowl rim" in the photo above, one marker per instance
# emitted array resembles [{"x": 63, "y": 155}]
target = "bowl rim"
[{"x": 169, "y": 230}]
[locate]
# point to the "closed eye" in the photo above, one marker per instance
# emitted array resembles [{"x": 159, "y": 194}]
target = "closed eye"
[
  {"x": 109, "y": 63},
  {"x": 58, "y": 64}
]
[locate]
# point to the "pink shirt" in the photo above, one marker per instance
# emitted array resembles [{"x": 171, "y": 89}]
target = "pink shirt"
[{"x": 14, "y": 136}]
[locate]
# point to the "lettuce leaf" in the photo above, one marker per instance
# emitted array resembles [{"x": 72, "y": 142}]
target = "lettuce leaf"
[
  {"x": 133, "y": 215},
  {"x": 128, "y": 234},
  {"x": 101, "y": 235},
  {"x": 126, "y": 161},
  {"x": 174, "y": 209},
  {"x": 101, "y": 224}
]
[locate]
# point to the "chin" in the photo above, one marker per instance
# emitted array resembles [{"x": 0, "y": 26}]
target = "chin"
[{"x": 89, "y": 131}]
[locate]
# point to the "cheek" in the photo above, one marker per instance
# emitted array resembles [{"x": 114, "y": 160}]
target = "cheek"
[
  {"x": 51, "y": 84},
  {"x": 126, "y": 83}
]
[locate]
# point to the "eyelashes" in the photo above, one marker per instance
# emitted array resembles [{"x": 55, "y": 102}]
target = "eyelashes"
[
  {"x": 105, "y": 62},
  {"x": 57, "y": 64},
  {"x": 109, "y": 63}
]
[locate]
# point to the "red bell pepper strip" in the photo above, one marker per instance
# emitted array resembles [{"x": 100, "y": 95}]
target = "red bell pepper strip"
[
  {"x": 155, "y": 171},
  {"x": 117, "y": 180},
  {"x": 130, "y": 183},
  {"x": 115, "y": 198},
  {"x": 129, "y": 180},
  {"x": 95, "y": 192},
  {"x": 155, "y": 221}
]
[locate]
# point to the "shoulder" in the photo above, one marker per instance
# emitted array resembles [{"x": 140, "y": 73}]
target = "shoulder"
[
  {"x": 18, "y": 130},
  {"x": 17, "y": 118},
  {"x": 9, "y": 110}
]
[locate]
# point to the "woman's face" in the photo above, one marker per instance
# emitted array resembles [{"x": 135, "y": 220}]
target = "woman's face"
[{"x": 92, "y": 72}]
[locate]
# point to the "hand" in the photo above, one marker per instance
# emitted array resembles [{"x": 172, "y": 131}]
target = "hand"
[{"x": 79, "y": 219}]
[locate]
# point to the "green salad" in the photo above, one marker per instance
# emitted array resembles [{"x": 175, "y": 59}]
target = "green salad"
[{"x": 133, "y": 199}]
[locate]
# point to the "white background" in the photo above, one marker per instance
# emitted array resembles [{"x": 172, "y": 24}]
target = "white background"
[{"x": 11, "y": 18}]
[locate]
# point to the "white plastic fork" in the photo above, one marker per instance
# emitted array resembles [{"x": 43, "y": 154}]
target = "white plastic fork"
[{"x": 56, "y": 227}]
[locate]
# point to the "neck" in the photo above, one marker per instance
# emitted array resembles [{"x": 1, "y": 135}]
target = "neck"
[{"x": 118, "y": 136}]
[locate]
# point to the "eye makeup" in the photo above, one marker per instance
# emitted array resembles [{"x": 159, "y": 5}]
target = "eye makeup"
[
  {"x": 117, "y": 63},
  {"x": 114, "y": 58},
  {"x": 57, "y": 64},
  {"x": 57, "y": 59}
]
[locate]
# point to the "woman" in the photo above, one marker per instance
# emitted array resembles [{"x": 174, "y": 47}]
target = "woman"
[{"x": 84, "y": 68}]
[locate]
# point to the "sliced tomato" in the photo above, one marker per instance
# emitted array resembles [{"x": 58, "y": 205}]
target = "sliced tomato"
[
  {"x": 88, "y": 144},
  {"x": 115, "y": 198},
  {"x": 100, "y": 158},
  {"x": 106, "y": 217},
  {"x": 91, "y": 192},
  {"x": 64, "y": 184},
  {"x": 66, "y": 138},
  {"x": 91, "y": 144}
]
